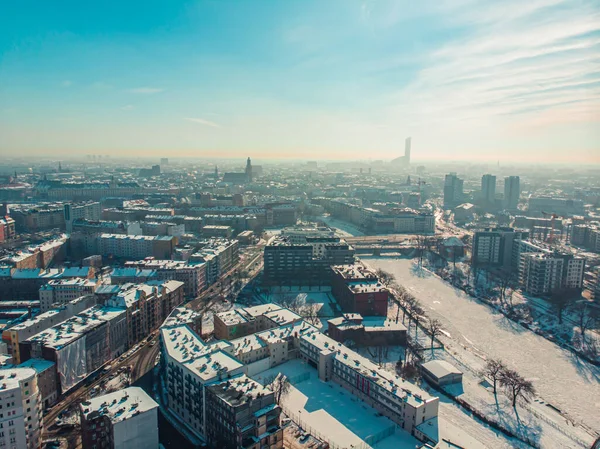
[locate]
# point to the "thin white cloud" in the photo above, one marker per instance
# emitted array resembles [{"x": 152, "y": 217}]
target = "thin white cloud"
[
  {"x": 531, "y": 62},
  {"x": 66, "y": 83},
  {"x": 202, "y": 121},
  {"x": 127, "y": 107},
  {"x": 145, "y": 90}
]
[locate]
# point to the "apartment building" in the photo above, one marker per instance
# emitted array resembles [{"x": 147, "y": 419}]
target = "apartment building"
[
  {"x": 80, "y": 345},
  {"x": 24, "y": 284},
  {"x": 136, "y": 246},
  {"x": 193, "y": 276},
  {"x": 58, "y": 292},
  {"x": 219, "y": 255},
  {"x": 21, "y": 418},
  {"x": 492, "y": 247},
  {"x": 238, "y": 323},
  {"x": 307, "y": 263},
  {"x": 402, "y": 402},
  {"x": 28, "y": 328},
  {"x": 187, "y": 366},
  {"x": 124, "y": 419},
  {"x": 147, "y": 306},
  {"x": 7, "y": 229},
  {"x": 543, "y": 273},
  {"x": 241, "y": 413}
]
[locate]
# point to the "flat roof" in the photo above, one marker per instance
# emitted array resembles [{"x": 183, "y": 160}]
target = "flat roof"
[
  {"x": 120, "y": 405},
  {"x": 440, "y": 368},
  {"x": 206, "y": 361},
  {"x": 238, "y": 390}
]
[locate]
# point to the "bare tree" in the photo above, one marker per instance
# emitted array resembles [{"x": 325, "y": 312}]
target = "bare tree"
[
  {"x": 507, "y": 283},
  {"x": 385, "y": 277},
  {"x": 421, "y": 243},
  {"x": 310, "y": 312},
  {"x": 435, "y": 330},
  {"x": 517, "y": 386},
  {"x": 279, "y": 384},
  {"x": 494, "y": 371},
  {"x": 586, "y": 318},
  {"x": 562, "y": 300}
]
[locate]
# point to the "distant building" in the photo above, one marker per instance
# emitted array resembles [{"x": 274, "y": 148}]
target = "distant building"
[
  {"x": 304, "y": 263},
  {"x": 543, "y": 273},
  {"x": 81, "y": 211},
  {"x": 136, "y": 246},
  {"x": 19, "y": 284},
  {"x": 453, "y": 191},
  {"x": 59, "y": 190},
  {"x": 404, "y": 161},
  {"x": 493, "y": 247},
  {"x": 512, "y": 192},
  {"x": 193, "y": 276},
  {"x": 209, "y": 231},
  {"x": 21, "y": 417},
  {"x": 58, "y": 292},
  {"x": 125, "y": 419},
  {"x": 464, "y": 213},
  {"x": 7, "y": 229},
  {"x": 587, "y": 236},
  {"x": 553, "y": 205},
  {"x": 488, "y": 190},
  {"x": 149, "y": 172}
]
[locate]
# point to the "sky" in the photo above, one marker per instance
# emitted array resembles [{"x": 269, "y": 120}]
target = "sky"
[{"x": 507, "y": 80}]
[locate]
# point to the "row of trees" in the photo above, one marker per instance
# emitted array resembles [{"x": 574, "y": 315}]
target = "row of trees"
[
  {"x": 501, "y": 376},
  {"x": 411, "y": 307}
]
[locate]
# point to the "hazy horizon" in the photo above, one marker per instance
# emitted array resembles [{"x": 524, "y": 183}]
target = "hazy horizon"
[{"x": 342, "y": 80}]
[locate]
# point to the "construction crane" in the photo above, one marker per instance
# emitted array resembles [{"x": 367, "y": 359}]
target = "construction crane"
[{"x": 550, "y": 239}]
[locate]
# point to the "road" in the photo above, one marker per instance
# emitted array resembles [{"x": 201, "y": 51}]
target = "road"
[
  {"x": 142, "y": 357},
  {"x": 141, "y": 360}
]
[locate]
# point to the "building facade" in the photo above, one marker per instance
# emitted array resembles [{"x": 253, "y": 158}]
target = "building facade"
[{"x": 125, "y": 419}]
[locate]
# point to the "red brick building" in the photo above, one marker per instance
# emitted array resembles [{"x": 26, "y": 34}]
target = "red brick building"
[{"x": 358, "y": 290}]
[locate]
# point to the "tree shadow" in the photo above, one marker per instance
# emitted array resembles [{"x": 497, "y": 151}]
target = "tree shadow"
[{"x": 588, "y": 371}]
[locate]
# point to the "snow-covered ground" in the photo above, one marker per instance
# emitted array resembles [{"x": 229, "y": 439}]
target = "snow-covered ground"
[
  {"x": 475, "y": 332},
  {"x": 333, "y": 414},
  {"x": 343, "y": 228}
]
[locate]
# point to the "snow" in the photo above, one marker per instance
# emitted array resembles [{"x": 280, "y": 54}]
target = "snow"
[
  {"x": 331, "y": 413},
  {"x": 478, "y": 332},
  {"x": 343, "y": 228}
]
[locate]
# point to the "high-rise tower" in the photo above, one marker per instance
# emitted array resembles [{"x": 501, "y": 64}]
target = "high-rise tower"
[{"x": 249, "y": 170}]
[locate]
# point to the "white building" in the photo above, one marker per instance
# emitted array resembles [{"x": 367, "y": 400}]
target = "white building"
[
  {"x": 543, "y": 273},
  {"x": 125, "y": 419},
  {"x": 193, "y": 276},
  {"x": 21, "y": 413},
  {"x": 58, "y": 292}
]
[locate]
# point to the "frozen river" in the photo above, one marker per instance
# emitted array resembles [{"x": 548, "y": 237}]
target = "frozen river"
[{"x": 561, "y": 379}]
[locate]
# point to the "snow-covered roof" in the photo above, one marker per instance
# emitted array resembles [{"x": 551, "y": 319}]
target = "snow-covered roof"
[
  {"x": 440, "y": 368},
  {"x": 119, "y": 406}
]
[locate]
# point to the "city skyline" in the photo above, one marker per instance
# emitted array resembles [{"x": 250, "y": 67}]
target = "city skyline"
[{"x": 468, "y": 80}]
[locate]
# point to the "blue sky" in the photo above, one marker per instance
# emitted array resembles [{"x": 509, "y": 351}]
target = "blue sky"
[{"x": 467, "y": 79}]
